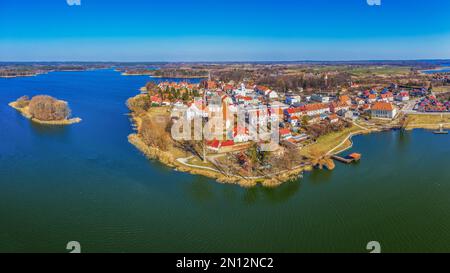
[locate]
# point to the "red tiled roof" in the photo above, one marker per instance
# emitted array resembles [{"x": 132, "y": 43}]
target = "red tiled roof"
[
  {"x": 344, "y": 98},
  {"x": 155, "y": 99},
  {"x": 213, "y": 143},
  {"x": 315, "y": 106},
  {"x": 382, "y": 106},
  {"x": 227, "y": 143},
  {"x": 386, "y": 95},
  {"x": 295, "y": 110},
  {"x": 333, "y": 116}
]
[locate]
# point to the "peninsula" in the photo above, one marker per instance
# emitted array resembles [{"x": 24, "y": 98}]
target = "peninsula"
[{"x": 318, "y": 108}]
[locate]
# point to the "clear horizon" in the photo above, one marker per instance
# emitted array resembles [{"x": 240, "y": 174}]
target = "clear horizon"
[
  {"x": 231, "y": 61},
  {"x": 223, "y": 31}
]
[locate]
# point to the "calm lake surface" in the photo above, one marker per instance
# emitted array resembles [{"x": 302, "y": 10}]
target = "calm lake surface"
[
  {"x": 86, "y": 183},
  {"x": 441, "y": 70}
]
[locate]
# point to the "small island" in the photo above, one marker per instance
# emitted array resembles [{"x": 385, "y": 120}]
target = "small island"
[{"x": 45, "y": 110}]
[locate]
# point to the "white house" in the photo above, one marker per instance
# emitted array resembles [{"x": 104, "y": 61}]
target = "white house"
[
  {"x": 196, "y": 111},
  {"x": 402, "y": 96},
  {"x": 270, "y": 94},
  {"x": 293, "y": 99},
  {"x": 242, "y": 91},
  {"x": 383, "y": 110}
]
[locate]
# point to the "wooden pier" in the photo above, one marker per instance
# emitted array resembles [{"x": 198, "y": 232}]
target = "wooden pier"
[
  {"x": 440, "y": 131},
  {"x": 348, "y": 159}
]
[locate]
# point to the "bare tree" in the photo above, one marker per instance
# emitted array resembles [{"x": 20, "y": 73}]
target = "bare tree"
[
  {"x": 48, "y": 108},
  {"x": 321, "y": 159},
  {"x": 154, "y": 134}
]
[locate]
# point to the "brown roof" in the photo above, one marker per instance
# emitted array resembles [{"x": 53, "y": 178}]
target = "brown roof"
[
  {"x": 315, "y": 106},
  {"x": 380, "y": 106}
]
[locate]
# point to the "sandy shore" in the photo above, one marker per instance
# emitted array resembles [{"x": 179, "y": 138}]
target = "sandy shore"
[
  {"x": 24, "y": 111},
  {"x": 18, "y": 76}
]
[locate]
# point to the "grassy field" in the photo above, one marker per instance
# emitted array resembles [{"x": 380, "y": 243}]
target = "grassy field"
[
  {"x": 441, "y": 89},
  {"x": 380, "y": 70},
  {"x": 327, "y": 142},
  {"x": 427, "y": 121},
  {"x": 161, "y": 115},
  {"x": 384, "y": 70}
]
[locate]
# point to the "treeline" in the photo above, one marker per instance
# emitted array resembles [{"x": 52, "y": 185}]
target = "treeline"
[
  {"x": 155, "y": 134},
  {"x": 443, "y": 96},
  {"x": 171, "y": 93},
  {"x": 12, "y": 73},
  {"x": 179, "y": 73},
  {"x": 296, "y": 82},
  {"x": 277, "y": 79},
  {"x": 140, "y": 103},
  {"x": 27, "y": 70}
]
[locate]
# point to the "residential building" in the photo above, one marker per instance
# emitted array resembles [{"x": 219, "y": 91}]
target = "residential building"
[
  {"x": 293, "y": 99},
  {"x": 402, "y": 96},
  {"x": 320, "y": 98},
  {"x": 383, "y": 110}
]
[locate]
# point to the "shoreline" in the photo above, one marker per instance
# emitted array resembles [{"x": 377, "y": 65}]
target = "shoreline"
[
  {"x": 19, "y": 76},
  {"x": 174, "y": 160},
  {"x": 275, "y": 180},
  {"x": 186, "y": 77},
  {"x": 435, "y": 70},
  {"x": 161, "y": 77},
  {"x": 27, "y": 115},
  {"x": 167, "y": 159}
]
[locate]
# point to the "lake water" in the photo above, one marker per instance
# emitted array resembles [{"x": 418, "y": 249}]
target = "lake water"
[
  {"x": 441, "y": 70},
  {"x": 86, "y": 183}
]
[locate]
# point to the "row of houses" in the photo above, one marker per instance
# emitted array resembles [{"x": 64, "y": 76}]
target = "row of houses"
[
  {"x": 262, "y": 104},
  {"x": 432, "y": 104}
]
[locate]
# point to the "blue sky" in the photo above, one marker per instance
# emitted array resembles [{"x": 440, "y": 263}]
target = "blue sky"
[{"x": 223, "y": 30}]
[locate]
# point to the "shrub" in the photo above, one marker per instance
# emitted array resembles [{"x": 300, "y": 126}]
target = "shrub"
[
  {"x": 154, "y": 134},
  {"x": 23, "y": 101},
  {"x": 140, "y": 103},
  {"x": 47, "y": 108}
]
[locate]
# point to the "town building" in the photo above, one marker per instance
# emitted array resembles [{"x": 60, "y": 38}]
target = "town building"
[
  {"x": 383, "y": 110},
  {"x": 402, "y": 96},
  {"x": 293, "y": 99},
  {"x": 320, "y": 98}
]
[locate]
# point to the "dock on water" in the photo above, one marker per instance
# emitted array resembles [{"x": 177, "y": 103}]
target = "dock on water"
[
  {"x": 348, "y": 159},
  {"x": 440, "y": 131}
]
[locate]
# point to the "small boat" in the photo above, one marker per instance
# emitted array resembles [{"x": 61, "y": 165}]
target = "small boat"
[{"x": 440, "y": 131}]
